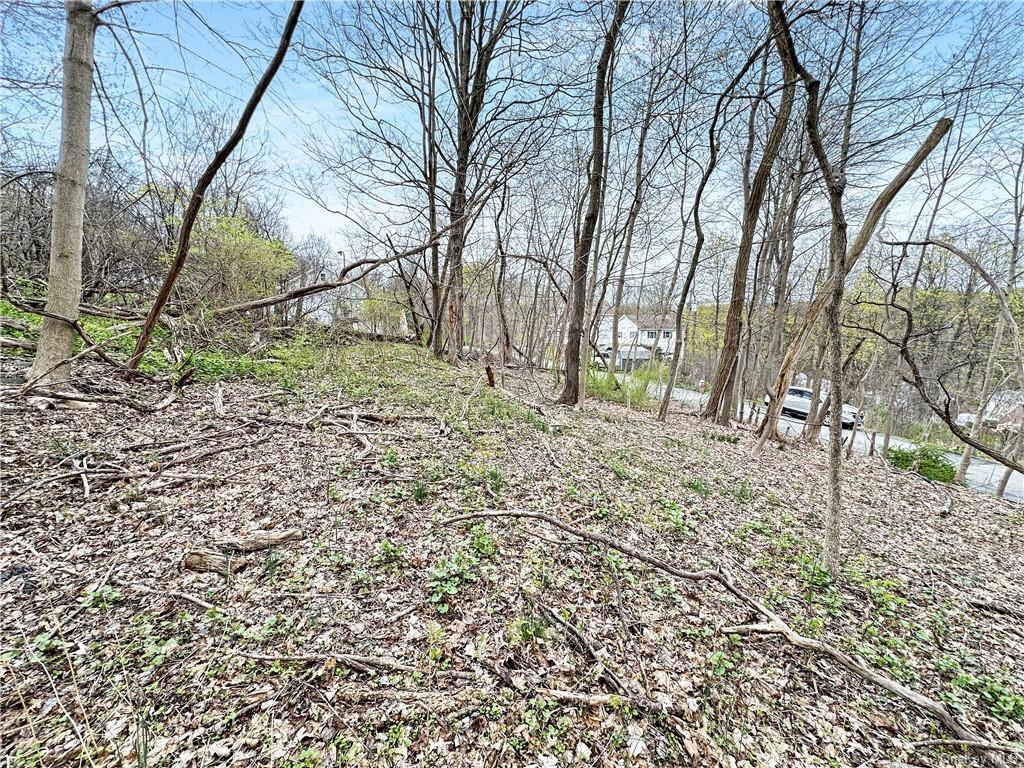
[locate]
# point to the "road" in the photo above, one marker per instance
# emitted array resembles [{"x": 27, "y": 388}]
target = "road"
[{"x": 982, "y": 475}]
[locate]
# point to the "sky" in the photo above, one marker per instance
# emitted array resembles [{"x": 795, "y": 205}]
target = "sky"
[
  {"x": 224, "y": 49},
  {"x": 209, "y": 53}
]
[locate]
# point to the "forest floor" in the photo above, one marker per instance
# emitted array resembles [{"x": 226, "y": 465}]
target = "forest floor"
[{"x": 374, "y": 631}]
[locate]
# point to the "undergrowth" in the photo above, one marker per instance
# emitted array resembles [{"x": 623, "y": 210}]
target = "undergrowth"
[
  {"x": 926, "y": 461},
  {"x": 312, "y": 363},
  {"x": 625, "y": 391}
]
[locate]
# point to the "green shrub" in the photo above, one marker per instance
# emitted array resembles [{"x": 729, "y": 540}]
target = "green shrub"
[
  {"x": 930, "y": 462},
  {"x": 629, "y": 390}
]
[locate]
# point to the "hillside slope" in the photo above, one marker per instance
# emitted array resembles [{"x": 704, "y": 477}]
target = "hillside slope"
[{"x": 378, "y": 632}]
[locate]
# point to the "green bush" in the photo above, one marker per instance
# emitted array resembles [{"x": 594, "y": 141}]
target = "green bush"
[
  {"x": 930, "y": 462},
  {"x": 628, "y": 391}
]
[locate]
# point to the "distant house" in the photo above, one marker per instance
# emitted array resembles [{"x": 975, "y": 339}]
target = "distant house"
[
  {"x": 1005, "y": 407},
  {"x": 657, "y": 332},
  {"x": 640, "y": 338},
  {"x": 627, "y": 332}
]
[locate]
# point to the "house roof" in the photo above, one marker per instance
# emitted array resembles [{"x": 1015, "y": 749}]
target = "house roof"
[
  {"x": 656, "y": 322},
  {"x": 644, "y": 322}
]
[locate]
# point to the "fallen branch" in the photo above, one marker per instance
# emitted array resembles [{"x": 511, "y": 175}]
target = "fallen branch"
[
  {"x": 357, "y": 662},
  {"x": 193, "y": 458},
  {"x": 988, "y": 605},
  {"x": 195, "y": 202},
  {"x": 13, "y": 343},
  {"x": 47, "y": 393},
  {"x": 774, "y": 625},
  {"x": 257, "y": 540},
  {"x": 987, "y": 745}
]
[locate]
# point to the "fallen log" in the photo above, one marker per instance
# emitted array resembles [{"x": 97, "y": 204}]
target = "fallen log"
[
  {"x": 257, "y": 540},
  {"x": 222, "y": 555},
  {"x": 214, "y": 561},
  {"x": 14, "y": 343}
]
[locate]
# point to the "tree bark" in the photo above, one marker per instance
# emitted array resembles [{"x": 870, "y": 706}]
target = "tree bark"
[
  {"x": 64, "y": 290},
  {"x": 581, "y": 256}
]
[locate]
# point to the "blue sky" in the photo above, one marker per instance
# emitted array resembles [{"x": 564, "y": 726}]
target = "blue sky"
[{"x": 226, "y": 46}]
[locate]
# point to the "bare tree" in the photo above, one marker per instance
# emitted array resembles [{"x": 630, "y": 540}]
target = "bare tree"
[
  {"x": 575, "y": 340},
  {"x": 64, "y": 291}
]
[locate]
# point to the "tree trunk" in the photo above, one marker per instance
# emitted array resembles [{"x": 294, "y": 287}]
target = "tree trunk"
[
  {"x": 691, "y": 271},
  {"x": 835, "y": 185},
  {"x": 1014, "y": 453},
  {"x": 781, "y": 285},
  {"x": 718, "y": 406},
  {"x": 581, "y": 256},
  {"x": 456, "y": 244},
  {"x": 64, "y": 290}
]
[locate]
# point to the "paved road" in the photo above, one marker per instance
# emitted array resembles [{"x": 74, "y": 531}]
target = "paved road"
[{"x": 982, "y": 475}]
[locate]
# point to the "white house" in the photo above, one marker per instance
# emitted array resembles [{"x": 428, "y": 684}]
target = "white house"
[
  {"x": 1006, "y": 407},
  {"x": 639, "y": 337},
  {"x": 657, "y": 332},
  {"x": 627, "y": 333}
]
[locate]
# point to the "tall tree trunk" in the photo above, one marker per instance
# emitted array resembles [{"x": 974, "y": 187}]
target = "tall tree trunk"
[
  {"x": 456, "y": 244},
  {"x": 581, "y": 256},
  {"x": 505, "y": 337},
  {"x": 64, "y": 290},
  {"x": 835, "y": 184},
  {"x": 718, "y": 406},
  {"x": 780, "y": 287}
]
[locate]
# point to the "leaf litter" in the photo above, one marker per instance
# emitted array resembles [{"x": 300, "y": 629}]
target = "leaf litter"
[{"x": 380, "y": 635}]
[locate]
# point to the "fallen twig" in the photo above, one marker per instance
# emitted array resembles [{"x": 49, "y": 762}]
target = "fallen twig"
[
  {"x": 358, "y": 662},
  {"x": 995, "y": 746},
  {"x": 177, "y": 595},
  {"x": 774, "y": 625}
]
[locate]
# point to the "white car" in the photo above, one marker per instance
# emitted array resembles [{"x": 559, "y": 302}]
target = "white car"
[{"x": 798, "y": 404}]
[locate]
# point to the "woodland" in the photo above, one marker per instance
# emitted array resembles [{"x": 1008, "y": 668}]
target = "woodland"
[{"x": 420, "y": 383}]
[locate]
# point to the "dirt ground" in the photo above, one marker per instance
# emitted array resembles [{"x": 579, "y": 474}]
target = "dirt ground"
[{"x": 365, "y": 628}]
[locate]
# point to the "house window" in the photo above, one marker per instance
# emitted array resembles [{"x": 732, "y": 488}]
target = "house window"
[
  {"x": 667, "y": 334},
  {"x": 652, "y": 334}
]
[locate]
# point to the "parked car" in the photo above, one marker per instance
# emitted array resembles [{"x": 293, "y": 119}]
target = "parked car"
[{"x": 797, "y": 405}]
